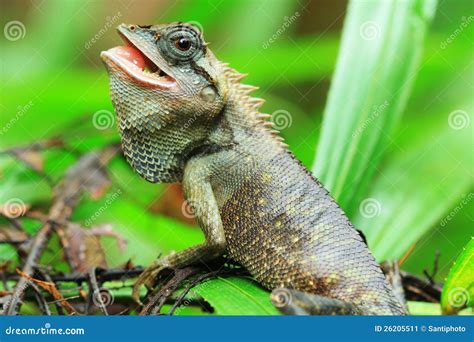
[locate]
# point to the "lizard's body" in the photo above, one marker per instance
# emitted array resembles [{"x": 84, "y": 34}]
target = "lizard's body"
[{"x": 251, "y": 197}]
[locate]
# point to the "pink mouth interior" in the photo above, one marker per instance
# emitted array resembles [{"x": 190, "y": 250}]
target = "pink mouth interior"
[
  {"x": 137, "y": 65},
  {"x": 131, "y": 54}
]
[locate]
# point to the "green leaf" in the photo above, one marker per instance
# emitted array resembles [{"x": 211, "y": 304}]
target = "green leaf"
[
  {"x": 458, "y": 291},
  {"x": 423, "y": 309},
  {"x": 379, "y": 56},
  {"x": 416, "y": 187},
  {"x": 236, "y": 296}
]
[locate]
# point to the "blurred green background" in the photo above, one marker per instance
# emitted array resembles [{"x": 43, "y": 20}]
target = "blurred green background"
[{"x": 52, "y": 83}]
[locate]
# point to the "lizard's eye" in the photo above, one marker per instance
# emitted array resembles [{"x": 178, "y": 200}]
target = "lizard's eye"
[{"x": 181, "y": 43}]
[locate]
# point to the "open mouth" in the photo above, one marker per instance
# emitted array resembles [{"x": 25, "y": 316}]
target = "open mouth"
[{"x": 137, "y": 65}]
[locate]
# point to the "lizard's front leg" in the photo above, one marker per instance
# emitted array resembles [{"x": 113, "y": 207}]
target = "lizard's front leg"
[{"x": 200, "y": 197}]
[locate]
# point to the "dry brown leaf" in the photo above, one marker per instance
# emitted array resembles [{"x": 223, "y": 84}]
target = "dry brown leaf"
[
  {"x": 12, "y": 235},
  {"x": 51, "y": 289},
  {"x": 33, "y": 158},
  {"x": 85, "y": 246}
]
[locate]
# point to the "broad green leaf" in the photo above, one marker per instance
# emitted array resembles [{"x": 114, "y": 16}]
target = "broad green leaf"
[
  {"x": 415, "y": 189},
  {"x": 458, "y": 291},
  {"x": 378, "y": 60},
  {"x": 236, "y": 296},
  {"x": 423, "y": 308}
]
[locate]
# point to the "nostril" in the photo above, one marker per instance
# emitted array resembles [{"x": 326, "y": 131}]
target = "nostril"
[{"x": 132, "y": 27}]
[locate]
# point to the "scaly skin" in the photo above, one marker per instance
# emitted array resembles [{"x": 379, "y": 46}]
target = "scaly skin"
[{"x": 198, "y": 125}]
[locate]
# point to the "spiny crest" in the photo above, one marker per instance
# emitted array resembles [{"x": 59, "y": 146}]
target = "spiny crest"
[{"x": 252, "y": 104}]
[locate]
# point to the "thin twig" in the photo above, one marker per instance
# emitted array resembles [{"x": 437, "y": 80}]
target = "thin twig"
[
  {"x": 157, "y": 300},
  {"x": 431, "y": 276},
  {"x": 188, "y": 288},
  {"x": 102, "y": 276},
  {"x": 51, "y": 288},
  {"x": 419, "y": 289},
  {"x": 42, "y": 303},
  {"x": 94, "y": 291},
  {"x": 67, "y": 195},
  {"x": 46, "y": 277}
]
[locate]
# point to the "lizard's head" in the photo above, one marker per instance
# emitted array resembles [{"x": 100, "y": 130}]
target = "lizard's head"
[{"x": 167, "y": 91}]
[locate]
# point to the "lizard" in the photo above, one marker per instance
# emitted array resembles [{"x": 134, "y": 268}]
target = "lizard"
[{"x": 184, "y": 116}]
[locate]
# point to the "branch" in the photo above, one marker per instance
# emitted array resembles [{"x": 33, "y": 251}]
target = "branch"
[{"x": 78, "y": 179}]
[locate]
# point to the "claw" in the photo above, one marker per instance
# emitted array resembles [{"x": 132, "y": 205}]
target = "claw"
[{"x": 147, "y": 278}]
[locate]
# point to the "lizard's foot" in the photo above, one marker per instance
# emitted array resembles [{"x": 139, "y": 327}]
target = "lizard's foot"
[
  {"x": 148, "y": 277},
  {"x": 294, "y": 302}
]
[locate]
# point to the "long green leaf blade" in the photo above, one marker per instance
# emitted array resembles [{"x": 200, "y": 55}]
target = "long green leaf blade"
[{"x": 380, "y": 53}]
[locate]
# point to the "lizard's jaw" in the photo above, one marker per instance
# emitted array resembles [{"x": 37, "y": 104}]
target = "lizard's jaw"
[{"x": 137, "y": 66}]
